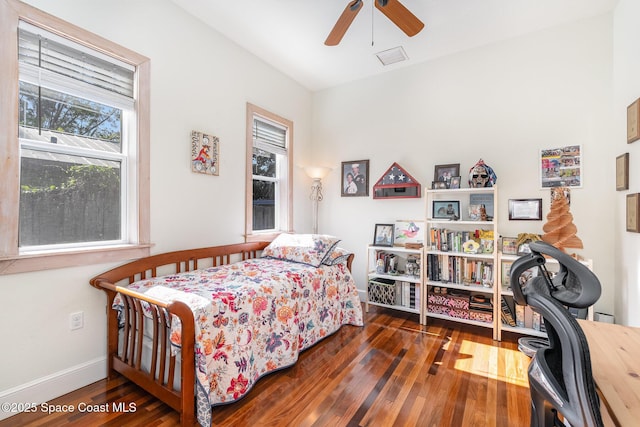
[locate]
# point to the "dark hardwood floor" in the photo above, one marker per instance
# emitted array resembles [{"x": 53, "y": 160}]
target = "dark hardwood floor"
[{"x": 391, "y": 372}]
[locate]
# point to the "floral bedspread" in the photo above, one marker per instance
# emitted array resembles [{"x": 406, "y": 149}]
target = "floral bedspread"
[{"x": 254, "y": 317}]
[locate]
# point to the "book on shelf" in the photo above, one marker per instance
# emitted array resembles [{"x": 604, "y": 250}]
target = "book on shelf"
[
  {"x": 459, "y": 270},
  {"x": 520, "y": 316},
  {"x": 507, "y": 314}
]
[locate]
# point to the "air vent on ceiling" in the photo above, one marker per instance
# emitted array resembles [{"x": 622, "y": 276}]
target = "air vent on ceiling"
[{"x": 391, "y": 56}]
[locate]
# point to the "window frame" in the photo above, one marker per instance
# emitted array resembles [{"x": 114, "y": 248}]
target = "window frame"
[
  {"x": 11, "y": 260},
  {"x": 285, "y": 190}
]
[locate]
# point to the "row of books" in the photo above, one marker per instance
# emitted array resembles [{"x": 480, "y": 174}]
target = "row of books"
[
  {"x": 521, "y": 316},
  {"x": 407, "y": 294},
  {"x": 446, "y": 240},
  {"x": 463, "y": 271}
]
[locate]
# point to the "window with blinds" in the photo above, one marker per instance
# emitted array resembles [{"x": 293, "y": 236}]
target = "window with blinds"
[
  {"x": 76, "y": 119},
  {"x": 270, "y": 177}
]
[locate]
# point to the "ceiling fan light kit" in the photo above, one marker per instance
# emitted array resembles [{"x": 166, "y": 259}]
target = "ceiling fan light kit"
[{"x": 392, "y": 9}]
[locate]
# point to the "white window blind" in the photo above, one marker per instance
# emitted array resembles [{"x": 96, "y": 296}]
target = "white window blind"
[
  {"x": 269, "y": 137},
  {"x": 43, "y": 50}
]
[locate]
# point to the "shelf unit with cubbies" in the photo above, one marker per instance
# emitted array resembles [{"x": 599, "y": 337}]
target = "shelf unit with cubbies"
[
  {"x": 391, "y": 284},
  {"x": 531, "y": 326},
  {"x": 460, "y": 276}
]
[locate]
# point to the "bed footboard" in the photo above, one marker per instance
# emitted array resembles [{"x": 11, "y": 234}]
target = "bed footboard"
[{"x": 124, "y": 351}]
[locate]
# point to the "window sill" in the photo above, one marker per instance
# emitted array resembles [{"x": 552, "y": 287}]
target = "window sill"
[{"x": 50, "y": 260}]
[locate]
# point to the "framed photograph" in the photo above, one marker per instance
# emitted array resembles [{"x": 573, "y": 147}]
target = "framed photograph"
[
  {"x": 438, "y": 185},
  {"x": 446, "y": 209},
  {"x": 408, "y": 231},
  {"x": 622, "y": 172},
  {"x": 633, "y": 207},
  {"x": 383, "y": 235},
  {"x": 355, "y": 178},
  {"x": 633, "y": 120},
  {"x": 525, "y": 209},
  {"x": 446, "y": 172},
  {"x": 561, "y": 167},
  {"x": 509, "y": 246},
  {"x": 455, "y": 182}
]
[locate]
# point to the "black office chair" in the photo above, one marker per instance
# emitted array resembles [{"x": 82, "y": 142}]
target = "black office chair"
[{"x": 560, "y": 378}]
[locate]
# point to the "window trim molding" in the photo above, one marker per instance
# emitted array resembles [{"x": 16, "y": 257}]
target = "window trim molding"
[
  {"x": 12, "y": 11},
  {"x": 250, "y": 235}
]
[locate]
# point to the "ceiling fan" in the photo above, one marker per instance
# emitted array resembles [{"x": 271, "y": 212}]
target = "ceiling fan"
[{"x": 392, "y": 9}]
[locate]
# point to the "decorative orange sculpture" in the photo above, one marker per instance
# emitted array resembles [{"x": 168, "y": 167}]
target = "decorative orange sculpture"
[{"x": 560, "y": 231}]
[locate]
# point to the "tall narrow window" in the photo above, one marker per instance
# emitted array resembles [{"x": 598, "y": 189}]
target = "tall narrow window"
[
  {"x": 269, "y": 176},
  {"x": 74, "y": 145}
]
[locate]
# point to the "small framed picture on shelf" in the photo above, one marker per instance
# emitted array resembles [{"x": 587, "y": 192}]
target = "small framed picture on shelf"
[
  {"x": 506, "y": 275},
  {"x": 455, "y": 182},
  {"x": 383, "y": 235},
  {"x": 509, "y": 246},
  {"x": 525, "y": 209},
  {"x": 446, "y": 209},
  {"x": 445, "y": 173},
  {"x": 438, "y": 185}
]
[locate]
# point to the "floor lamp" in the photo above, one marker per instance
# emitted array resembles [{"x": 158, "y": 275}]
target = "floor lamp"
[{"x": 317, "y": 173}]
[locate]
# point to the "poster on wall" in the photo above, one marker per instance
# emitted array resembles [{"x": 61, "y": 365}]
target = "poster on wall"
[
  {"x": 205, "y": 152},
  {"x": 561, "y": 167}
]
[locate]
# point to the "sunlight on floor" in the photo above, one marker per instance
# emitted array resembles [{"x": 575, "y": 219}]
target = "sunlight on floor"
[{"x": 483, "y": 360}]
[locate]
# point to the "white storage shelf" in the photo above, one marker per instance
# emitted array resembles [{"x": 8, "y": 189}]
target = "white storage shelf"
[
  {"x": 486, "y": 261},
  {"x": 402, "y": 254},
  {"x": 505, "y": 291}
]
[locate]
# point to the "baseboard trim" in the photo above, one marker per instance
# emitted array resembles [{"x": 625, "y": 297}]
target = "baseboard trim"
[{"x": 55, "y": 385}]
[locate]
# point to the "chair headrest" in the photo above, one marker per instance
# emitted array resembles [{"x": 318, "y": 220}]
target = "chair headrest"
[{"x": 574, "y": 285}]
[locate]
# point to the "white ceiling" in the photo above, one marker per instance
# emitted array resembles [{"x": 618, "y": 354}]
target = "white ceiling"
[{"x": 290, "y": 34}]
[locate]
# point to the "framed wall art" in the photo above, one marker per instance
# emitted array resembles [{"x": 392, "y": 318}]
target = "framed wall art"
[
  {"x": 355, "y": 178},
  {"x": 383, "y": 235},
  {"x": 633, "y": 121},
  {"x": 525, "y": 209},
  {"x": 444, "y": 173},
  {"x": 622, "y": 172},
  {"x": 633, "y": 207},
  {"x": 205, "y": 153},
  {"x": 561, "y": 167}
]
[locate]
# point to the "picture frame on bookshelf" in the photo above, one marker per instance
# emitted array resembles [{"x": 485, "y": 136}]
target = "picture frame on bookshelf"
[
  {"x": 455, "y": 182},
  {"x": 438, "y": 185},
  {"x": 408, "y": 231},
  {"x": 509, "y": 246},
  {"x": 383, "y": 235},
  {"x": 506, "y": 274},
  {"x": 446, "y": 172},
  {"x": 485, "y": 199},
  {"x": 446, "y": 209}
]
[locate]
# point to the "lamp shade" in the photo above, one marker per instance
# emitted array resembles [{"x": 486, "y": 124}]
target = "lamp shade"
[{"x": 316, "y": 172}]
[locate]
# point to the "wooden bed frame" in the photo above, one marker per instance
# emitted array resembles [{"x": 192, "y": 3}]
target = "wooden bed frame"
[{"x": 159, "y": 381}]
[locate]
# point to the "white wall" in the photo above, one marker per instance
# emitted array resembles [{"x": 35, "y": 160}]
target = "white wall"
[
  {"x": 503, "y": 103},
  {"x": 626, "y": 61},
  {"x": 200, "y": 81}
]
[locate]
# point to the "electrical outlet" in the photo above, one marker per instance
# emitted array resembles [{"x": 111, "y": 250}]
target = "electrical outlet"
[{"x": 76, "y": 320}]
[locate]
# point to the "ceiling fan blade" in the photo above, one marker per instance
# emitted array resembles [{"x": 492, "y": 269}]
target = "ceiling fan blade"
[
  {"x": 401, "y": 16},
  {"x": 343, "y": 23}
]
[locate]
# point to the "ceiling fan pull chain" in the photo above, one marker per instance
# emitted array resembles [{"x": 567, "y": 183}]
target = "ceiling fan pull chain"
[{"x": 372, "y": 21}]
